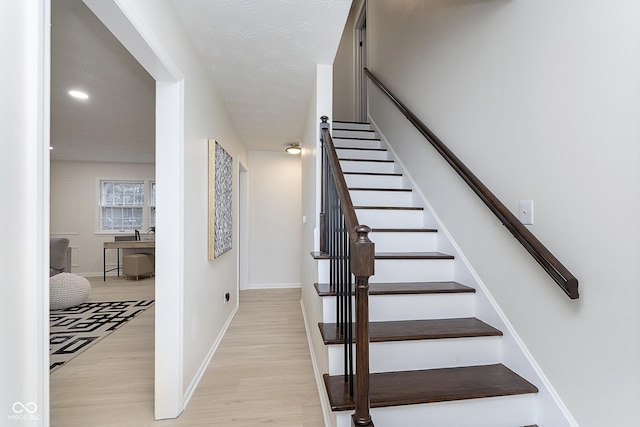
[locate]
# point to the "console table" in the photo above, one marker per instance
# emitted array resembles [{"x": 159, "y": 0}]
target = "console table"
[{"x": 123, "y": 244}]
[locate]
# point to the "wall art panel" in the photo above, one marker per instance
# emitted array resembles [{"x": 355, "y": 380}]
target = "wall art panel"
[{"x": 220, "y": 200}]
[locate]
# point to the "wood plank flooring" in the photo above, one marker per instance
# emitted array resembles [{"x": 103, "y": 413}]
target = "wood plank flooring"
[{"x": 261, "y": 373}]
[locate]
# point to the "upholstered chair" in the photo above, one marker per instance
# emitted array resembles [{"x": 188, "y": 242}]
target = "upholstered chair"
[{"x": 59, "y": 256}]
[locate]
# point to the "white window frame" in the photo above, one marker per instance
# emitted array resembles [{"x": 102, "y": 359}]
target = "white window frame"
[
  {"x": 145, "y": 207},
  {"x": 151, "y": 204}
]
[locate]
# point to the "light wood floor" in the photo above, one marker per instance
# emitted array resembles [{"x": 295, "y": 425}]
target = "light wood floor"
[{"x": 261, "y": 373}]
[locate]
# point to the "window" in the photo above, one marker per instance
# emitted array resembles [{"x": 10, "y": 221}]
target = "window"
[
  {"x": 152, "y": 205},
  {"x": 121, "y": 205}
]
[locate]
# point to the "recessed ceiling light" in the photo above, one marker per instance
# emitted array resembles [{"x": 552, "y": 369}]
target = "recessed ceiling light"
[{"x": 78, "y": 94}]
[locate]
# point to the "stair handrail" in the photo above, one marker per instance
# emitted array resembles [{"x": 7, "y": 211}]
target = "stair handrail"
[
  {"x": 558, "y": 272},
  {"x": 361, "y": 259}
]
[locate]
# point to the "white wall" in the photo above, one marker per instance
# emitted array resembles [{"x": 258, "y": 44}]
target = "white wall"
[
  {"x": 541, "y": 100},
  {"x": 275, "y": 220},
  {"x": 24, "y": 370},
  {"x": 319, "y": 105},
  {"x": 196, "y": 314},
  {"x": 74, "y": 208}
]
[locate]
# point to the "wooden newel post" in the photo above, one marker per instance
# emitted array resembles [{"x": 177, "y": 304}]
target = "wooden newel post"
[
  {"x": 323, "y": 185},
  {"x": 362, "y": 267}
]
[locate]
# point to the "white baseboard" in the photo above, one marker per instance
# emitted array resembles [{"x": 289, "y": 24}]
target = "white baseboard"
[
  {"x": 274, "y": 285},
  {"x": 322, "y": 394}
]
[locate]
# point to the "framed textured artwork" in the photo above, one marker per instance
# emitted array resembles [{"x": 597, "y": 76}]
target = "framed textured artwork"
[{"x": 220, "y": 200}]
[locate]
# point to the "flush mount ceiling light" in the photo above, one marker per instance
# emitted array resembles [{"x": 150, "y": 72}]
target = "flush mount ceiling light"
[
  {"x": 293, "y": 149},
  {"x": 78, "y": 94}
]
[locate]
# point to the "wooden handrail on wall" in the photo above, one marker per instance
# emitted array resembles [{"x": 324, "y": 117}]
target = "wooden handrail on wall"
[
  {"x": 355, "y": 258},
  {"x": 558, "y": 272}
]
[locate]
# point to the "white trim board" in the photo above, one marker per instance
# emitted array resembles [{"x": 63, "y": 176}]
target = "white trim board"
[
  {"x": 275, "y": 285},
  {"x": 123, "y": 21},
  {"x": 322, "y": 392}
]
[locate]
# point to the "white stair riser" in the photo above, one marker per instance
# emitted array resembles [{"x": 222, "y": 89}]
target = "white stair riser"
[
  {"x": 412, "y": 270},
  {"x": 381, "y": 198},
  {"x": 423, "y": 354},
  {"x": 405, "y": 241},
  {"x": 323, "y": 270},
  {"x": 488, "y": 412},
  {"x": 364, "y": 134},
  {"x": 345, "y": 153},
  {"x": 409, "y": 307},
  {"x": 380, "y": 218},
  {"x": 357, "y": 143},
  {"x": 374, "y": 181},
  {"x": 358, "y": 166},
  {"x": 351, "y": 125}
]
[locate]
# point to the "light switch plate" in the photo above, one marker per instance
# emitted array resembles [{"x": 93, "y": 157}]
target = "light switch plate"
[{"x": 525, "y": 213}]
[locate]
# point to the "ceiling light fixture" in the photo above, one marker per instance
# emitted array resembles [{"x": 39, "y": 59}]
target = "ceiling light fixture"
[
  {"x": 293, "y": 149},
  {"x": 78, "y": 94}
]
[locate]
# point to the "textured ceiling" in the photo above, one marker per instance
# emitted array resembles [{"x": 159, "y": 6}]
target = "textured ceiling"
[{"x": 261, "y": 54}]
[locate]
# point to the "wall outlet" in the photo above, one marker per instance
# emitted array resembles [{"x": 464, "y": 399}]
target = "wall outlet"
[
  {"x": 525, "y": 213},
  {"x": 227, "y": 297}
]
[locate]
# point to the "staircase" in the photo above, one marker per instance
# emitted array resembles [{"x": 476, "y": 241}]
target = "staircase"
[{"x": 433, "y": 363}]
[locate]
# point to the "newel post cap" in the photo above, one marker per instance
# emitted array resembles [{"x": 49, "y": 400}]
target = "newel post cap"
[
  {"x": 325, "y": 122},
  {"x": 362, "y": 253}
]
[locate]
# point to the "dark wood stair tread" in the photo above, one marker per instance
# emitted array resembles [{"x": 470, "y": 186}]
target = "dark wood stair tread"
[
  {"x": 366, "y": 160},
  {"x": 395, "y": 255},
  {"x": 404, "y": 288},
  {"x": 351, "y": 123},
  {"x": 361, "y": 149},
  {"x": 412, "y": 255},
  {"x": 391, "y": 208},
  {"x": 408, "y": 330},
  {"x": 355, "y": 130},
  {"x": 404, "y": 230},
  {"x": 356, "y": 138},
  {"x": 374, "y": 173},
  {"x": 431, "y": 385},
  {"x": 406, "y": 190}
]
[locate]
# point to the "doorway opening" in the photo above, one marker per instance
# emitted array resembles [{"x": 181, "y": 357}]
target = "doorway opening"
[
  {"x": 243, "y": 237},
  {"x": 361, "y": 63}
]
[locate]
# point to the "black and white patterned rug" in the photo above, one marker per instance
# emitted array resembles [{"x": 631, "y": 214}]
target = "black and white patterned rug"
[{"x": 74, "y": 330}]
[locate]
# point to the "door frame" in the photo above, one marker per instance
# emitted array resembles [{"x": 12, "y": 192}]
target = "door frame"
[
  {"x": 128, "y": 27},
  {"x": 360, "y": 61}
]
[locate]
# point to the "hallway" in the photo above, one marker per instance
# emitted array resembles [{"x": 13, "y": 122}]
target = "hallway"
[{"x": 260, "y": 374}]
